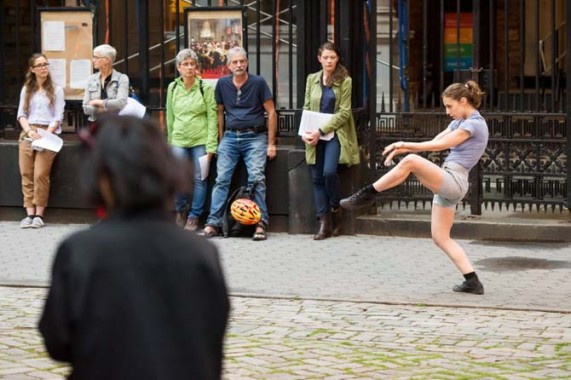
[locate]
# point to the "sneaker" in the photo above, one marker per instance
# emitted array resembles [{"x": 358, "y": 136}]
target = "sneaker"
[
  {"x": 180, "y": 219},
  {"x": 26, "y": 222},
  {"x": 472, "y": 286},
  {"x": 37, "y": 222},
  {"x": 362, "y": 198},
  {"x": 191, "y": 224}
]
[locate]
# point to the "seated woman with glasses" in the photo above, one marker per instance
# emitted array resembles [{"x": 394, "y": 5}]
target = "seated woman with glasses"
[
  {"x": 41, "y": 107},
  {"x": 108, "y": 89}
]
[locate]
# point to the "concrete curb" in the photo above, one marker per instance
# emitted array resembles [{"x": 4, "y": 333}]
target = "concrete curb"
[
  {"x": 557, "y": 229},
  {"x": 455, "y": 305}
]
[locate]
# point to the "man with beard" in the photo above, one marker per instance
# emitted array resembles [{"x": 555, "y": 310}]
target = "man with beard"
[{"x": 242, "y": 101}]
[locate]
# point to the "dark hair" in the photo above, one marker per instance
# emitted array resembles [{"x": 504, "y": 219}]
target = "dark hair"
[
  {"x": 340, "y": 72},
  {"x": 31, "y": 84},
  {"x": 132, "y": 155},
  {"x": 469, "y": 90}
]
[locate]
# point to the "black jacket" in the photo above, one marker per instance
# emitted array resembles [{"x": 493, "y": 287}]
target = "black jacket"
[{"x": 135, "y": 297}]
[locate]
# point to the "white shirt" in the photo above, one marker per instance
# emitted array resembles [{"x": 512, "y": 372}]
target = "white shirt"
[{"x": 40, "y": 111}]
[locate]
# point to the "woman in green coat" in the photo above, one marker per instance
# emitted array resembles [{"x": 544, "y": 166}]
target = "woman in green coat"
[{"x": 329, "y": 91}]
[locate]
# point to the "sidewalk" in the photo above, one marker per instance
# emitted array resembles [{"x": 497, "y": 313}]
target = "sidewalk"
[{"x": 363, "y": 268}]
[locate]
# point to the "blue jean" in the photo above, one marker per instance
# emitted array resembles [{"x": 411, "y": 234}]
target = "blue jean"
[
  {"x": 200, "y": 186},
  {"x": 326, "y": 186},
  {"x": 253, "y": 149}
]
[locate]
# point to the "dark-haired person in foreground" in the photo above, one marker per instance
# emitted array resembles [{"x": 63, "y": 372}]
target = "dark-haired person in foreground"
[
  {"x": 467, "y": 138},
  {"x": 135, "y": 297}
]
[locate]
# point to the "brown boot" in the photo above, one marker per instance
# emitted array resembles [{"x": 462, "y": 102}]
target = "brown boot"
[
  {"x": 337, "y": 218},
  {"x": 324, "y": 228}
]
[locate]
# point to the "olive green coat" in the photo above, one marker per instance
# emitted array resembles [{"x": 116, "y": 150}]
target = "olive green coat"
[{"x": 342, "y": 122}]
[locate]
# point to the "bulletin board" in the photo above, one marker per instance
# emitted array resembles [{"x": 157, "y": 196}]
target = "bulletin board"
[{"x": 66, "y": 39}]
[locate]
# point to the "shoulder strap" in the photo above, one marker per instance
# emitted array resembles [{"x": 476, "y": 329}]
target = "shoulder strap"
[
  {"x": 200, "y": 86},
  {"x": 251, "y": 190},
  {"x": 175, "y": 83}
]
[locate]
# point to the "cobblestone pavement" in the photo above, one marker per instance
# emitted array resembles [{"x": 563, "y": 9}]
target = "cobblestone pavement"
[
  {"x": 345, "y": 308},
  {"x": 306, "y": 339}
]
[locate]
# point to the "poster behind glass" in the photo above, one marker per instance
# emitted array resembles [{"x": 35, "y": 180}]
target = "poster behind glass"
[{"x": 211, "y": 32}]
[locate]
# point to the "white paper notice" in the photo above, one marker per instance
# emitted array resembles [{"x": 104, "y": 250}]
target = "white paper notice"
[
  {"x": 312, "y": 121},
  {"x": 58, "y": 72},
  {"x": 48, "y": 141},
  {"x": 133, "y": 108},
  {"x": 53, "y": 36},
  {"x": 204, "y": 166},
  {"x": 79, "y": 71}
]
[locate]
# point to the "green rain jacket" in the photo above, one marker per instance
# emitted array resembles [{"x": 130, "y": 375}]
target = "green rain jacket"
[
  {"x": 342, "y": 122},
  {"x": 192, "y": 118}
]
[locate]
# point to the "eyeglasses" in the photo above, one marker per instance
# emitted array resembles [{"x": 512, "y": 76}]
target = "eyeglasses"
[
  {"x": 96, "y": 57},
  {"x": 188, "y": 64},
  {"x": 238, "y": 94},
  {"x": 41, "y": 65}
]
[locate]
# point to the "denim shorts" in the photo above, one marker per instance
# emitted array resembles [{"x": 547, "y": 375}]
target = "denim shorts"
[{"x": 454, "y": 185}]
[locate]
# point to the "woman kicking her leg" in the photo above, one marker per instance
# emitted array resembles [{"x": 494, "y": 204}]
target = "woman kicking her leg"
[{"x": 466, "y": 137}]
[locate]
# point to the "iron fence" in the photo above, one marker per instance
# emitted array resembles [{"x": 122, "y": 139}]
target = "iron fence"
[{"x": 517, "y": 51}]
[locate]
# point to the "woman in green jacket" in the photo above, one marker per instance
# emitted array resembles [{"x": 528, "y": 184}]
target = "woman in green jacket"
[
  {"x": 329, "y": 91},
  {"x": 192, "y": 130}
]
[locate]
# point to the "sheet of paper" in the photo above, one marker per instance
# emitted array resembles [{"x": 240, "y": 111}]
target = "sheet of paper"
[
  {"x": 48, "y": 141},
  {"x": 312, "y": 121},
  {"x": 53, "y": 36},
  {"x": 204, "y": 166},
  {"x": 79, "y": 71},
  {"x": 57, "y": 71},
  {"x": 133, "y": 108}
]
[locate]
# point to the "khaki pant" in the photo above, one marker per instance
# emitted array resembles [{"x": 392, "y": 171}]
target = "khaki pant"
[{"x": 35, "y": 168}]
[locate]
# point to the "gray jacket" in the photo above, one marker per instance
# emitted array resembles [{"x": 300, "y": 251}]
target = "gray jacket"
[{"x": 117, "y": 93}]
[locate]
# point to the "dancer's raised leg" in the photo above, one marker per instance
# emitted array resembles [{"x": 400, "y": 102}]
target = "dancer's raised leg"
[{"x": 428, "y": 173}]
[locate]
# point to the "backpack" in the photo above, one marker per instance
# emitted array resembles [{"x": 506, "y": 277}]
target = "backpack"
[
  {"x": 200, "y": 87},
  {"x": 231, "y": 228}
]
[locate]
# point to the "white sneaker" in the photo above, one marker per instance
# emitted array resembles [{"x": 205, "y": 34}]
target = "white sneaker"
[
  {"x": 37, "y": 222},
  {"x": 26, "y": 222}
]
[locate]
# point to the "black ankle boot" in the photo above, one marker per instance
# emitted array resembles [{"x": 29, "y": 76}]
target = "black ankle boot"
[
  {"x": 362, "y": 198},
  {"x": 324, "y": 228},
  {"x": 337, "y": 219},
  {"x": 472, "y": 285}
]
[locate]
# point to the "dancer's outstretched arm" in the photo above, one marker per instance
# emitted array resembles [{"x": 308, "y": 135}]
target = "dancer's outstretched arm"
[{"x": 441, "y": 142}]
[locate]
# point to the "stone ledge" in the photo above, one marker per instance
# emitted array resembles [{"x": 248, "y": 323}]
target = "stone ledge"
[{"x": 497, "y": 228}]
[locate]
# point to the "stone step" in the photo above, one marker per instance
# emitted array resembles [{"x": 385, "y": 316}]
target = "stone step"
[{"x": 491, "y": 225}]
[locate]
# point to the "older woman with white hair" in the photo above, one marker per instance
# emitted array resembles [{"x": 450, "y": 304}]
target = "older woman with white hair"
[
  {"x": 192, "y": 131},
  {"x": 107, "y": 90}
]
